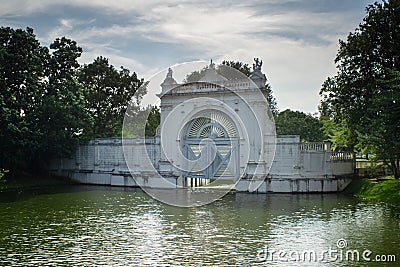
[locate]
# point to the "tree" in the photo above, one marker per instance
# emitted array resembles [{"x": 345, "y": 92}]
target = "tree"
[
  {"x": 62, "y": 117},
  {"x": 153, "y": 121},
  {"x": 245, "y": 69},
  {"x": 240, "y": 66},
  {"x": 338, "y": 134},
  {"x": 23, "y": 66},
  {"x": 49, "y": 103},
  {"x": 41, "y": 100},
  {"x": 290, "y": 122},
  {"x": 107, "y": 95},
  {"x": 363, "y": 96}
]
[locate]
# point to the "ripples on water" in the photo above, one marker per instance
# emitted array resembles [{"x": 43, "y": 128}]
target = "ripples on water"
[{"x": 115, "y": 226}]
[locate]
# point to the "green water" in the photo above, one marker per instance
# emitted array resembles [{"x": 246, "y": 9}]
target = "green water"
[{"x": 83, "y": 225}]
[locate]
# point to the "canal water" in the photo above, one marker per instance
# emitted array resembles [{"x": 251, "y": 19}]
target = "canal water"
[{"x": 91, "y": 225}]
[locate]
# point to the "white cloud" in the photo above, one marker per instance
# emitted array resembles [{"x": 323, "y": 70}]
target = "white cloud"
[
  {"x": 297, "y": 46},
  {"x": 296, "y": 69}
]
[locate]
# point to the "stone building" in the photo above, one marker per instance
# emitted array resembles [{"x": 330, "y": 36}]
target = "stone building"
[{"x": 215, "y": 131}]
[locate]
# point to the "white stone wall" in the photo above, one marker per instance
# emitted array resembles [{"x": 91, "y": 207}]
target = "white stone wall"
[
  {"x": 287, "y": 160},
  {"x": 102, "y": 161},
  {"x": 294, "y": 169}
]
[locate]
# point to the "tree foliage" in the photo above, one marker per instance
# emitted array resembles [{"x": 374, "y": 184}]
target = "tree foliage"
[
  {"x": 309, "y": 128},
  {"x": 364, "y": 95},
  {"x": 107, "y": 95},
  {"x": 62, "y": 116},
  {"x": 338, "y": 134},
  {"x": 245, "y": 69},
  {"x": 49, "y": 102},
  {"x": 240, "y": 66},
  {"x": 22, "y": 80},
  {"x": 153, "y": 121}
]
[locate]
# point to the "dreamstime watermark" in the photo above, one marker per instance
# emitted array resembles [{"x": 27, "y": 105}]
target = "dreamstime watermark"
[{"x": 339, "y": 253}]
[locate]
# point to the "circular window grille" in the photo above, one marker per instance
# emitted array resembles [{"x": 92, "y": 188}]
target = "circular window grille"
[{"x": 211, "y": 124}]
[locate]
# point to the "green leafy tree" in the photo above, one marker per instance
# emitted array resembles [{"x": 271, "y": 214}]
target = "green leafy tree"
[
  {"x": 240, "y": 66},
  {"x": 23, "y": 66},
  {"x": 3, "y": 184},
  {"x": 245, "y": 69},
  {"x": 309, "y": 128},
  {"x": 41, "y": 100},
  {"x": 338, "y": 134},
  {"x": 62, "y": 116},
  {"x": 363, "y": 96},
  {"x": 49, "y": 103},
  {"x": 153, "y": 121},
  {"x": 108, "y": 92}
]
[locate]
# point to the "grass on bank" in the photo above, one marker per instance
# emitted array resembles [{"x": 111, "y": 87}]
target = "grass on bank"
[{"x": 387, "y": 190}]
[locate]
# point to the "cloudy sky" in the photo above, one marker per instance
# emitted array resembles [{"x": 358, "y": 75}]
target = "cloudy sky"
[{"x": 296, "y": 39}]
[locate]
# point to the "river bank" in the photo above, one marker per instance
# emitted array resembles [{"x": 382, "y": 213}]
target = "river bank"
[
  {"x": 28, "y": 181},
  {"x": 386, "y": 190}
]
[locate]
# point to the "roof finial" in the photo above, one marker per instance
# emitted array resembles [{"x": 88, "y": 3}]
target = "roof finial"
[
  {"x": 257, "y": 65},
  {"x": 212, "y": 65},
  {"x": 169, "y": 74},
  {"x": 169, "y": 81}
]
